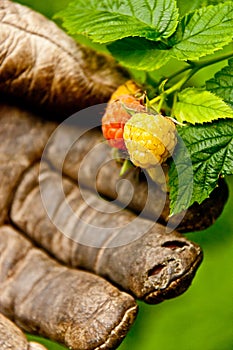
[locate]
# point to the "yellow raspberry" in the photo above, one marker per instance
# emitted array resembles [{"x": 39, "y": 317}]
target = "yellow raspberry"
[{"x": 150, "y": 139}]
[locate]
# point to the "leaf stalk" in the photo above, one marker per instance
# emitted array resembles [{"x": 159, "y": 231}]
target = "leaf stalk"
[
  {"x": 207, "y": 63},
  {"x": 192, "y": 69}
]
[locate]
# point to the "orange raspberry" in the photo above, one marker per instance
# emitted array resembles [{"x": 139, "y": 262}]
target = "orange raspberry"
[
  {"x": 128, "y": 88},
  {"x": 116, "y": 114}
]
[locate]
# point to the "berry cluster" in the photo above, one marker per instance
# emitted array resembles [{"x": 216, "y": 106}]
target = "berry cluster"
[
  {"x": 127, "y": 125},
  {"x": 125, "y": 100}
]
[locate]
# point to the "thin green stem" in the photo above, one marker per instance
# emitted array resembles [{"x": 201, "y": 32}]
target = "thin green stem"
[
  {"x": 179, "y": 84},
  {"x": 174, "y": 75},
  {"x": 174, "y": 104},
  {"x": 161, "y": 103},
  {"x": 172, "y": 89},
  {"x": 155, "y": 99},
  {"x": 125, "y": 167},
  {"x": 200, "y": 65},
  {"x": 193, "y": 68},
  {"x": 207, "y": 63}
]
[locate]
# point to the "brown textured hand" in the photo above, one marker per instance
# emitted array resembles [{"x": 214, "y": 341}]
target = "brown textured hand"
[
  {"x": 41, "y": 65},
  {"x": 45, "y": 292},
  {"x": 11, "y": 337}
]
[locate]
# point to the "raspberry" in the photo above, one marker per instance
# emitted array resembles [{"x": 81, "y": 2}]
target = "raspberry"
[
  {"x": 116, "y": 116},
  {"x": 150, "y": 139},
  {"x": 129, "y": 88}
]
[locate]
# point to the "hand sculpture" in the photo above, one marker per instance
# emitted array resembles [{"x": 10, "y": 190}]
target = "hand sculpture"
[{"x": 45, "y": 76}]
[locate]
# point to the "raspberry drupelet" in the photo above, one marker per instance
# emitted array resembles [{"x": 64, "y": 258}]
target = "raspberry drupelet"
[
  {"x": 150, "y": 139},
  {"x": 126, "y": 98}
]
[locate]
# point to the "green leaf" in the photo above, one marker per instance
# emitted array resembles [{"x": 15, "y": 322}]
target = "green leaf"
[
  {"x": 210, "y": 148},
  {"x": 139, "y": 53},
  {"x": 105, "y": 20},
  {"x": 222, "y": 83},
  {"x": 180, "y": 179},
  {"x": 198, "y": 106},
  {"x": 188, "y": 6},
  {"x": 213, "y": 2},
  {"x": 140, "y": 76},
  {"x": 203, "y": 31}
]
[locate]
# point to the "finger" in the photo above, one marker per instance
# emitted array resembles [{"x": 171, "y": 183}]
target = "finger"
[
  {"x": 19, "y": 189},
  {"x": 41, "y": 65},
  {"x": 30, "y": 136},
  {"x": 22, "y": 140},
  {"x": 90, "y": 162},
  {"x": 11, "y": 337},
  {"x": 130, "y": 251},
  {"x": 76, "y": 308},
  {"x": 65, "y": 80}
]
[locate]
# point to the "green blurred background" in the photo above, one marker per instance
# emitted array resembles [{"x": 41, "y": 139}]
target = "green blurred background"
[{"x": 202, "y": 318}]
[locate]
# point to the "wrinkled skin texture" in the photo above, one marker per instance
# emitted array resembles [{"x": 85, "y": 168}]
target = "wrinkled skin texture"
[
  {"x": 41, "y": 65},
  {"x": 73, "y": 307},
  {"x": 108, "y": 252},
  {"x": 159, "y": 265},
  {"x": 43, "y": 68},
  {"x": 90, "y": 158},
  {"x": 11, "y": 337}
]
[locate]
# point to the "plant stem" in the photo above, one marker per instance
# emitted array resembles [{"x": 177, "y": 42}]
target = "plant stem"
[
  {"x": 125, "y": 167},
  {"x": 193, "y": 68},
  {"x": 161, "y": 103},
  {"x": 174, "y": 75},
  {"x": 207, "y": 63},
  {"x": 172, "y": 89}
]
